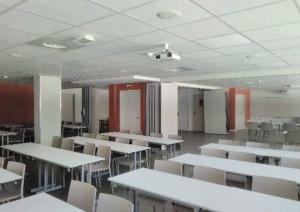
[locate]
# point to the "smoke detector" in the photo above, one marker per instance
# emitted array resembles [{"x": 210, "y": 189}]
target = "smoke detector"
[
  {"x": 84, "y": 39},
  {"x": 167, "y": 15}
]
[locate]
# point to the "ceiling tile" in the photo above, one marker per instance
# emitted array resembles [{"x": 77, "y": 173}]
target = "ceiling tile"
[
  {"x": 31, "y": 51},
  {"x": 119, "y": 26},
  {"x": 258, "y": 57},
  {"x": 240, "y": 49},
  {"x": 72, "y": 33},
  {"x": 6, "y": 44},
  {"x": 16, "y": 36},
  {"x": 201, "y": 29},
  {"x": 275, "y": 33},
  {"x": 122, "y": 46},
  {"x": 148, "y": 13},
  {"x": 203, "y": 54},
  {"x": 9, "y": 2},
  {"x": 282, "y": 44},
  {"x": 227, "y": 6},
  {"x": 30, "y": 23},
  {"x": 274, "y": 14},
  {"x": 121, "y": 5},
  {"x": 68, "y": 11},
  {"x": 155, "y": 38},
  {"x": 186, "y": 46},
  {"x": 287, "y": 52},
  {"x": 2, "y": 8},
  {"x": 224, "y": 41},
  {"x": 93, "y": 51}
]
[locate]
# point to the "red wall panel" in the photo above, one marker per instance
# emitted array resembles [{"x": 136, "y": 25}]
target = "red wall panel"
[
  {"x": 114, "y": 104},
  {"x": 16, "y": 103}
]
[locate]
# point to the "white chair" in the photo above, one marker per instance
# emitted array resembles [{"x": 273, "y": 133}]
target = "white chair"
[
  {"x": 291, "y": 148},
  {"x": 247, "y": 157},
  {"x": 266, "y": 129},
  {"x": 111, "y": 203},
  {"x": 56, "y": 141},
  {"x": 213, "y": 152},
  {"x": 125, "y": 131},
  {"x": 290, "y": 162},
  {"x": 89, "y": 148},
  {"x": 129, "y": 162},
  {"x": 67, "y": 144},
  {"x": 210, "y": 175},
  {"x": 88, "y": 135},
  {"x": 178, "y": 146},
  {"x": 276, "y": 187},
  {"x": 2, "y": 161},
  {"x": 102, "y": 137},
  {"x": 252, "y": 130},
  {"x": 139, "y": 132},
  {"x": 122, "y": 140},
  {"x": 13, "y": 190},
  {"x": 228, "y": 142},
  {"x": 155, "y": 203},
  {"x": 82, "y": 195},
  {"x": 103, "y": 167},
  {"x": 258, "y": 145}
]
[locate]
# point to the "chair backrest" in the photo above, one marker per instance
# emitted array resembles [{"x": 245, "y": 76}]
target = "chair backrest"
[
  {"x": 2, "y": 161},
  {"x": 213, "y": 152},
  {"x": 242, "y": 156},
  {"x": 122, "y": 140},
  {"x": 56, "y": 141},
  {"x": 140, "y": 143},
  {"x": 252, "y": 125},
  {"x": 157, "y": 135},
  {"x": 258, "y": 145},
  {"x": 266, "y": 126},
  {"x": 291, "y": 148},
  {"x": 291, "y": 127},
  {"x": 228, "y": 142},
  {"x": 276, "y": 187},
  {"x": 290, "y": 162},
  {"x": 67, "y": 144},
  {"x": 102, "y": 137},
  {"x": 177, "y": 137},
  {"x": 82, "y": 195},
  {"x": 89, "y": 148},
  {"x": 125, "y": 131},
  {"x": 168, "y": 166},
  {"x": 111, "y": 203},
  {"x": 104, "y": 152},
  {"x": 139, "y": 132},
  {"x": 210, "y": 175},
  {"x": 88, "y": 135},
  {"x": 19, "y": 169}
]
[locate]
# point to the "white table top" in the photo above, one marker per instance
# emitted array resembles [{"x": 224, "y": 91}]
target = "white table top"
[
  {"x": 150, "y": 139},
  {"x": 60, "y": 157},
  {"x": 6, "y": 133},
  {"x": 74, "y": 126},
  {"x": 39, "y": 203},
  {"x": 276, "y": 153},
  {"x": 116, "y": 147},
  {"x": 240, "y": 167},
  {"x": 7, "y": 176},
  {"x": 200, "y": 194}
]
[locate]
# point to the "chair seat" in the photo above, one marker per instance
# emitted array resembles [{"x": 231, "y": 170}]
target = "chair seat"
[
  {"x": 9, "y": 192},
  {"x": 127, "y": 162},
  {"x": 95, "y": 167}
]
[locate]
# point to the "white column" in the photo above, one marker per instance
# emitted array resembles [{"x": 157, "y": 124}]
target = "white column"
[
  {"x": 47, "y": 108},
  {"x": 169, "y": 109}
]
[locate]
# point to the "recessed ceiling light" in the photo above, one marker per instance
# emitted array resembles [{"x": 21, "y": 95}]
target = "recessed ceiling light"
[
  {"x": 54, "y": 45},
  {"x": 16, "y": 55},
  {"x": 253, "y": 55},
  {"x": 123, "y": 71},
  {"x": 5, "y": 77},
  {"x": 84, "y": 39},
  {"x": 166, "y": 15}
]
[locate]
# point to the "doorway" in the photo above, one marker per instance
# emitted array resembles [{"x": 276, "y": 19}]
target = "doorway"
[
  {"x": 240, "y": 112},
  {"x": 130, "y": 110}
]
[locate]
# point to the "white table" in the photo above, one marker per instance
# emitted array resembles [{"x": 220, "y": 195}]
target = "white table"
[
  {"x": 39, "y": 203},
  {"x": 6, "y": 134},
  {"x": 199, "y": 194},
  {"x": 7, "y": 176},
  {"x": 274, "y": 153},
  {"x": 115, "y": 147},
  {"x": 50, "y": 155},
  {"x": 240, "y": 167},
  {"x": 154, "y": 140},
  {"x": 79, "y": 128}
]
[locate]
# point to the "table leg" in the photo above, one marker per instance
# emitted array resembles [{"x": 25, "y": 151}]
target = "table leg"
[
  {"x": 2, "y": 144},
  {"x": 140, "y": 159},
  {"x": 82, "y": 173},
  {"x": 134, "y": 200},
  {"x": 40, "y": 173},
  {"x": 89, "y": 180},
  {"x": 45, "y": 177},
  {"x": 135, "y": 160}
]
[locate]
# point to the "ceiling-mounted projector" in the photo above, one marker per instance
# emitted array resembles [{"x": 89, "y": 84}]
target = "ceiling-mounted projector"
[{"x": 166, "y": 53}]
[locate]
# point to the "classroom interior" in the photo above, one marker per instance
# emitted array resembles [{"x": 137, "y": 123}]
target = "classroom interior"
[{"x": 149, "y": 105}]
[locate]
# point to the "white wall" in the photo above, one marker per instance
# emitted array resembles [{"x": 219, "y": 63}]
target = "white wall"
[
  {"x": 100, "y": 107},
  {"x": 186, "y": 107},
  {"x": 169, "y": 109},
  {"x": 47, "y": 108},
  {"x": 214, "y": 112},
  {"x": 271, "y": 105},
  {"x": 67, "y": 106}
]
